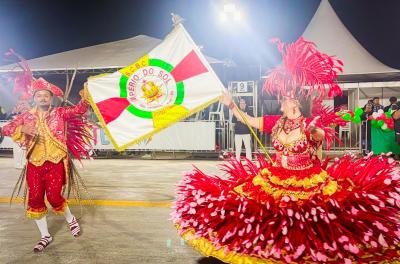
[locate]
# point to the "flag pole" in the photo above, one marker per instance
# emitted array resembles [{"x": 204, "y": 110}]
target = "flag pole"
[{"x": 252, "y": 132}]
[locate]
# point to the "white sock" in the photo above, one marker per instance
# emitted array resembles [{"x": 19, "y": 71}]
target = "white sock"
[
  {"x": 68, "y": 215},
  {"x": 42, "y": 225}
]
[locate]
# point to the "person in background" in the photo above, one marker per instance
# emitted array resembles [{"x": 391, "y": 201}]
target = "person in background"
[
  {"x": 376, "y": 104},
  {"x": 2, "y": 113},
  {"x": 366, "y": 127},
  {"x": 393, "y": 102},
  {"x": 242, "y": 132},
  {"x": 396, "y": 118}
]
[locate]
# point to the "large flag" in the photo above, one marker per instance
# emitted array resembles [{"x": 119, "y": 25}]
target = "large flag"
[{"x": 168, "y": 84}]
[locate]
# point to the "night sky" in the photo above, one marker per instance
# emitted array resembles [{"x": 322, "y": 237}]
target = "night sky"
[{"x": 38, "y": 28}]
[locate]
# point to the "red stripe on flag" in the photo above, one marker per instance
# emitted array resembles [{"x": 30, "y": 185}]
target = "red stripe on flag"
[
  {"x": 190, "y": 66},
  {"x": 112, "y": 108}
]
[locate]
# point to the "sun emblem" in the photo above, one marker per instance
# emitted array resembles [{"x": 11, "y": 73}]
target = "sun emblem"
[{"x": 151, "y": 92}]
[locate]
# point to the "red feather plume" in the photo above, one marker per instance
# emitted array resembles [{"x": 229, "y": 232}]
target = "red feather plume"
[{"x": 305, "y": 70}]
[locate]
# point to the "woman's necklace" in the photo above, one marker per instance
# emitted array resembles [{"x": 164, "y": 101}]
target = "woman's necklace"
[{"x": 292, "y": 124}]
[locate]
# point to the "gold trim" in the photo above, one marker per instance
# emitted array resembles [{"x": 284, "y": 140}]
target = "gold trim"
[
  {"x": 308, "y": 182},
  {"x": 56, "y": 141},
  {"x": 207, "y": 248},
  {"x": 36, "y": 215},
  {"x": 276, "y": 193},
  {"x": 18, "y": 136},
  {"x": 137, "y": 140},
  {"x": 61, "y": 209}
]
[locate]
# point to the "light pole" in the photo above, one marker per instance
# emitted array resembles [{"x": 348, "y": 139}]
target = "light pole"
[{"x": 230, "y": 17}]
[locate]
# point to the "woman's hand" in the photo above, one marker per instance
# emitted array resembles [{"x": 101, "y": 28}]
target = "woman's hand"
[
  {"x": 316, "y": 133},
  {"x": 227, "y": 99},
  {"x": 83, "y": 93},
  {"x": 312, "y": 127}
]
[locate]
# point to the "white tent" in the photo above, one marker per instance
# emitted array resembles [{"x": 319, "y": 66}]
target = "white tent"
[
  {"x": 333, "y": 38},
  {"x": 116, "y": 54},
  {"x": 95, "y": 59},
  {"x": 362, "y": 69}
]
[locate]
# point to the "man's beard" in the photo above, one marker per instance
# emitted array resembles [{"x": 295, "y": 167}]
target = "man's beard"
[{"x": 44, "y": 107}]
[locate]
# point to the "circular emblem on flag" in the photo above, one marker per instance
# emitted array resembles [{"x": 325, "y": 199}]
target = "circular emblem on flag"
[{"x": 151, "y": 87}]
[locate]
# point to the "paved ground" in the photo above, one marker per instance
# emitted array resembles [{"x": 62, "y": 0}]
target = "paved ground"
[{"x": 111, "y": 234}]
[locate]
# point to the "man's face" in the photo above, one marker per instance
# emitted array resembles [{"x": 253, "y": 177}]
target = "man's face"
[
  {"x": 43, "y": 98},
  {"x": 242, "y": 104},
  {"x": 376, "y": 101}
]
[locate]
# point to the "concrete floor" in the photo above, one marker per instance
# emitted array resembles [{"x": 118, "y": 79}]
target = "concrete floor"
[{"x": 111, "y": 234}]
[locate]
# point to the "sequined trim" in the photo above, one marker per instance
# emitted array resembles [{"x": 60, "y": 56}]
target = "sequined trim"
[
  {"x": 329, "y": 188},
  {"x": 18, "y": 136},
  {"x": 309, "y": 182},
  {"x": 47, "y": 148},
  {"x": 60, "y": 210},
  {"x": 207, "y": 248},
  {"x": 276, "y": 192},
  {"x": 36, "y": 213}
]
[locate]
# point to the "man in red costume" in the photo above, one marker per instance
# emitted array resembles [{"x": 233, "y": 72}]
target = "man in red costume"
[{"x": 42, "y": 131}]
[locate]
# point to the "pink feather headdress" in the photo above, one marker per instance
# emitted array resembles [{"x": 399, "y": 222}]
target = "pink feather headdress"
[{"x": 304, "y": 72}]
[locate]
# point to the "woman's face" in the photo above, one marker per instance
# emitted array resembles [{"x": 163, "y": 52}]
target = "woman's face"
[{"x": 288, "y": 104}]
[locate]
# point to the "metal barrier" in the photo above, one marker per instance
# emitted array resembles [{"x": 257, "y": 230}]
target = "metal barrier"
[
  {"x": 350, "y": 140},
  {"x": 224, "y": 139}
]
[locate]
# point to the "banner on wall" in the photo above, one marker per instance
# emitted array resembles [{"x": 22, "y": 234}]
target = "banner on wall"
[{"x": 177, "y": 137}]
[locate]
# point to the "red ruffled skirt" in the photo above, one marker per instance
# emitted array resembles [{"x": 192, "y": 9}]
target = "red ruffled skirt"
[{"x": 345, "y": 213}]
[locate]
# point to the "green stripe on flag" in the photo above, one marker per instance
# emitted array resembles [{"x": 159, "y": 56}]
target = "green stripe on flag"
[
  {"x": 162, "y": 64},
  {"x": 180, "y": 93},
  {"x": 140, "y": 113},
  {"x": 122, "y": 86}
]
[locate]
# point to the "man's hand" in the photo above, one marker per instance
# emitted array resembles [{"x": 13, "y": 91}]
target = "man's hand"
[
  {"x": 83, "y": 92},
  {"x": 29, "y": 130}
]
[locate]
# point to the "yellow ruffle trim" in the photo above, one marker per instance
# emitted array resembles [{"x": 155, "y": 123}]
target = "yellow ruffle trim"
[
  {"x": 329, "y": 189},
  {"x": 35, "y": 214},
  {"x": 206, "y": 248},
  {"x": 60, "y": 210},
  {"x": 309, "y": 182},
  {"x": 276, "y": 193}
]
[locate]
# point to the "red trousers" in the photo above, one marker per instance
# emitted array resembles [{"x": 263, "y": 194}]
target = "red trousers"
[{"x": 46, "y": 179}]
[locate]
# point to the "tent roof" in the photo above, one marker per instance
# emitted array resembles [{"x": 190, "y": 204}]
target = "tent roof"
[
  {"x": 116, "y": 54},
  {"x": 333, "y": 38}
]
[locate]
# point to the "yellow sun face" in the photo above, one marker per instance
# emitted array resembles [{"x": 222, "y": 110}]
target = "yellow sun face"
[{"x": 151, "y": 92}]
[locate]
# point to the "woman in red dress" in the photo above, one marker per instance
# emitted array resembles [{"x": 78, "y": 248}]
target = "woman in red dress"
[{"x": 294, "y": 208}]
